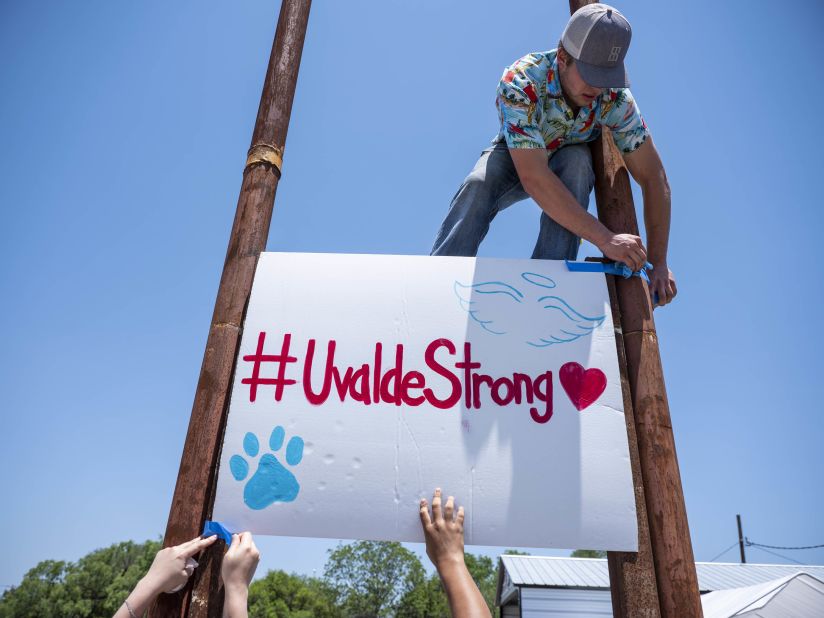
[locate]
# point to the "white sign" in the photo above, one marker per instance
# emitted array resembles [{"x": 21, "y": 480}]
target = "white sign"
[{"x": 365, "y": 381}]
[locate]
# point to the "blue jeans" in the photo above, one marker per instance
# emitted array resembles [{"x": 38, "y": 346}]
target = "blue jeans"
[{"x": 493, "y": 185}]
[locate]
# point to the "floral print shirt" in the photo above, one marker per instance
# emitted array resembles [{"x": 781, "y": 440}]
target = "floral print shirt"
[{"x": 534, "y": 114}]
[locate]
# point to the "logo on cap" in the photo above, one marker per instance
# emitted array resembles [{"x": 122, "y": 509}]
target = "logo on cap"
[{"x": 613, "y": 55}]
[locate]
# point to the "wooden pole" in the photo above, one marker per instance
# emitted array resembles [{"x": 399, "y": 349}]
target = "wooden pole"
[
  {"x": 631, "y": 575},
  {"x": 666, "y": 511},
  {"x": 672, "y": 555},
  {"x": 195, "y": 488}
]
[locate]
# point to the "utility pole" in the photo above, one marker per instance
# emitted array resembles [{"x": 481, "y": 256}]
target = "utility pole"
[
  {"x": 673, "y": 559},
  {"x": 741, "y": 540},
  {"x": 195, "y": 489}
]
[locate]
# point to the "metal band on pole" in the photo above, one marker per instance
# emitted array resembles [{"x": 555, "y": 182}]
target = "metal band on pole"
[{"x": 265, "y": 153}]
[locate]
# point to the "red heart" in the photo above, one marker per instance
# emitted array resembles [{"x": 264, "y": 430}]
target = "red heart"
[{"x": 582, "y": 386}]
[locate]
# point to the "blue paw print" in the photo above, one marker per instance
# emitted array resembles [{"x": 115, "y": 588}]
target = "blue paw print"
[{"x": 272, "y": 482}]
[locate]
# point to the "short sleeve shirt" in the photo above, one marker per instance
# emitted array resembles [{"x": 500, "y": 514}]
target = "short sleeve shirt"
[{"x": 534, "y": 114}]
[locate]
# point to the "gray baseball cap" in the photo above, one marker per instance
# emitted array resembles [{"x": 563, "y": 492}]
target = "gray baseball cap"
[{"x": 598, "y": 36}]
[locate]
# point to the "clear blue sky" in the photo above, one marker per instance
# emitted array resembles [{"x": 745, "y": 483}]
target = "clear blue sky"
[{"x": 124, "y": 132}]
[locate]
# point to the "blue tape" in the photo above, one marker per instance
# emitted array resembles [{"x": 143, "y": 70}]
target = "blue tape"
[
  {"x": 612, "y": 268},
  {"x": 214, "y": 527}
]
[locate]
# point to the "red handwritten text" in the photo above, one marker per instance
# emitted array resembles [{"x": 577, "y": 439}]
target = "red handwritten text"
[{"x": 457, "y": 378}]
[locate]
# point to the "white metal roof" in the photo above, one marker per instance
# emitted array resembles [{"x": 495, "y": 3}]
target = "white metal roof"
[
  {"x": 593, "y": 572},
  {"x": 795, "y": 595},
  {"x": 556, "y": 572},
  {"x": 722, "y": 576}
]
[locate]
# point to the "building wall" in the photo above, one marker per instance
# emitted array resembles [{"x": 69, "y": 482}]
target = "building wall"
[
  {"x": 546, "y": 602},
  {"x": 511, "y": 611}
]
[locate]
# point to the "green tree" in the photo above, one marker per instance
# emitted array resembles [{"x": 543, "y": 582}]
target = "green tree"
[
  {"x": 93, "y": 586},
  {"x": 371, "y": 577},
  {"x": 483, "y": 571},
  {"x": 426, "y": 599},
  {"x": 40, "y": 593},
  {"x": 588, "y": 553},
  {"x": 281, "y": 595}
]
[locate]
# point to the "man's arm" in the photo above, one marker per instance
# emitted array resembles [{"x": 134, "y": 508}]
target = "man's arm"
[
  {"x": 646, "y": 168},
  {"x": 556, "y": 201}
]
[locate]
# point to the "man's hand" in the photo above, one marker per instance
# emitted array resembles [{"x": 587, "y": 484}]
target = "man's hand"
[
  {"x": 625, "y": 248},
  {"x": 662, "y": 283},
  {"x": 443, "y": 531}
]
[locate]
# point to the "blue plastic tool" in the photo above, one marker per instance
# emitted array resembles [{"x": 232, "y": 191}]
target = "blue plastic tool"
[{"x": 612, "y": 268}]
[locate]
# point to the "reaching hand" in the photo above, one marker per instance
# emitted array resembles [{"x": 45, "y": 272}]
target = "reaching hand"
[
  {"x": 173, "y": 566},
  {"x": 171, "y": 569},
  {"x": 443, "y": 531},
  {"x": 662, "y": 283},
  {"x": 240, "y": 562},
  {"x": 626, "y": 248}
]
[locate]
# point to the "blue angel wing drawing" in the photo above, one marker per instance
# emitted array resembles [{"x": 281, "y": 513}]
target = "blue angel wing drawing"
[
  {"x": 539, "y": 321},
  {"x": 492, "y": 304},
  {"x": 558, "y": 322}
]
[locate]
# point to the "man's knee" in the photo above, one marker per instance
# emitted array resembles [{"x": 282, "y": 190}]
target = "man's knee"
[
  {"x": 485, "y": 184},
  {"x": 474, "y": 193},
  {"x": 476, "y": 178},
  {"x": 575, "y": 159}
]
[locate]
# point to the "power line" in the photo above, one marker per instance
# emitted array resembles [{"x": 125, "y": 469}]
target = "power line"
[
  {"x": 766, "y": 548},
  {"x": 750, "y": 543},
  {"x": 724, "y": 552},
  {"x": 779, "y": 555}
]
